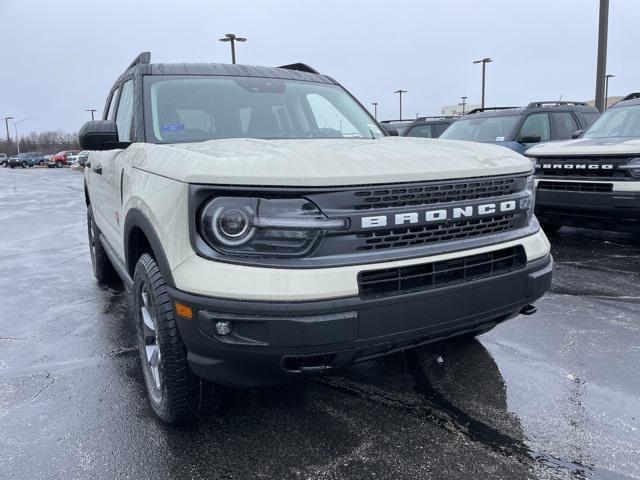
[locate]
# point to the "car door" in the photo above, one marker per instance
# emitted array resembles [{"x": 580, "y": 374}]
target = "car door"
[
  {"x": 112, "y": 165},
  {"x": 535, "y": 125}
]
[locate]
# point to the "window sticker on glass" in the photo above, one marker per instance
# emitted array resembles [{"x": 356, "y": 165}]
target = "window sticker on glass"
[
  {"x": 499, "y": 139},
  {"x": 175, "y": 127}
]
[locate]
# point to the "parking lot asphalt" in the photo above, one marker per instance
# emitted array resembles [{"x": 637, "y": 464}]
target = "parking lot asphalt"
[{"x": 554, "y": 395}]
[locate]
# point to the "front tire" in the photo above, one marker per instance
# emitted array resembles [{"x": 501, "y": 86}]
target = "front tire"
[
  {"x": 175, "y": 393},
  {"x": 23, "y": 164},
  {"x": 58, "y": 164},
  {"x": 102, "y": 268}
]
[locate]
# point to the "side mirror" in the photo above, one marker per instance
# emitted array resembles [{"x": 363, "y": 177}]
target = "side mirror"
[
  {"x": 529, "y": 139},
  {"x": 100, "y": 135},
  {"x": 577, "y": 134}
]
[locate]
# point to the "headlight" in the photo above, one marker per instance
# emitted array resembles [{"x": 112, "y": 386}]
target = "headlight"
[
  {"x": 529, "y": 202},
  {"x": 264, "y": 227},
  {"x": 633, "y": 166}
]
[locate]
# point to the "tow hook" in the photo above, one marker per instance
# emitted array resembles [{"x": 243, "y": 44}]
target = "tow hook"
[{"x": 528, "y": 310}]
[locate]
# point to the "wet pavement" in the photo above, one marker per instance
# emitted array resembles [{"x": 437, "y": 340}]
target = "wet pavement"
[{"x": 555, "y": 395}]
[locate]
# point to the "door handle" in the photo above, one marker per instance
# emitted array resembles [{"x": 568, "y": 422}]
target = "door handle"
[{"x": 97, "y": 169}]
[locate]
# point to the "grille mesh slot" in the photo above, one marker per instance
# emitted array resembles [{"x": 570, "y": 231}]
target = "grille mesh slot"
[
  {"x": 433, "y": 194},
  {"x": 412, "y": 236},
  {"x": 427, "y": 276},
  {"x": 575, "y": 186}
]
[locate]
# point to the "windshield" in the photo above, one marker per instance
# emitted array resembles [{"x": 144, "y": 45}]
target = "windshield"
[
  {"x": 616, "y": 122},
  {"x": 482, "y": 129},
  {"x": 197, "y": 108}
]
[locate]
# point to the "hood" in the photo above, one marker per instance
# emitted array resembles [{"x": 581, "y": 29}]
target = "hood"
[
  {"x": 320, "y": 162},
  {"x": 588, "y": 146}
]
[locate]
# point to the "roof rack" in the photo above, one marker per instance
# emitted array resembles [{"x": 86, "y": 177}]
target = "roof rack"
[
  {"x": 631, "y": 96},
  {"x": 556, "y": 102},
  {"x": 301, "y": 67},
  {"x": 484, "y": 109},
  {"x": 434, "y": 117},
  {"x": 144, "y": 57}
]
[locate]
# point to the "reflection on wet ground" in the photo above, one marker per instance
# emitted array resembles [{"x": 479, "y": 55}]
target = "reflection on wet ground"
[{"x": 555, "y": 395}]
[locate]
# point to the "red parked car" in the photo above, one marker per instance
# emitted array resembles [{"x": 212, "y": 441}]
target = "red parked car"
[{"x": 60, "y": 158}]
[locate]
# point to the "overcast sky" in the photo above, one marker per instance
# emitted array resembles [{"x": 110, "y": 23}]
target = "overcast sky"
[{"x": 61, "y": 57}]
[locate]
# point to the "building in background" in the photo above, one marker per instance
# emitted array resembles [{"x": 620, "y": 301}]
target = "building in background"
[{"x": 456, "y": 110}]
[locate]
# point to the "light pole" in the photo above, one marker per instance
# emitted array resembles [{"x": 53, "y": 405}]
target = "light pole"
[
  {"x": 603, "y": 28},
  {"x": 400, "y": 92},
  {"x": 92, "y": 110},
  {"x": 484, "y": 62},
  {"x": 464, "y": 103},
  {"x": 231, "y": 37},
  {"x": 375, "y": 110},
  {"x": 15, "y": 129},
  {"x": 606, "y": 88},
  {"x": 6, "y": 123}
]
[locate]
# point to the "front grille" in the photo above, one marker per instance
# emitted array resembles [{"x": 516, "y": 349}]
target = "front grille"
[
  {"x": 428, "y": 276},
  {"x": 556, "y": 167},
  {"x": 433, "y": 194},
  {"x": 575, "y": 186},
  {"x": 412, "y": 236}
]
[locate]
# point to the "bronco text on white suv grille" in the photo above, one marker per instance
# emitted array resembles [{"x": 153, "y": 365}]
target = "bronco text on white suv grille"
[{"x": 267, "y": 228}]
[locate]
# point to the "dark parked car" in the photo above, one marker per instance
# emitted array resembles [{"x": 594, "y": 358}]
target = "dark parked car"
[
  {"x": 428, "y": 127},
  {"x": 519, "y": 128},
  {"x": 395, "y": 127},
  {"x": 25, "y": 160}
]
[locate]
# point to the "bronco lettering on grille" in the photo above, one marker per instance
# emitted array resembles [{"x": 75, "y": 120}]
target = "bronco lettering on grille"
[
  {"x": 575, "y": 166},
  {"x": 442, "y": 214}
]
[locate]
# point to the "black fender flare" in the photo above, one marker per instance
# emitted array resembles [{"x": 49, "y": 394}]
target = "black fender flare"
[{"x": 136, "y": 219}]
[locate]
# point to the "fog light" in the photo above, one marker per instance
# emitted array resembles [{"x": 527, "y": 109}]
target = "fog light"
[{"x": 223, "y": 328}]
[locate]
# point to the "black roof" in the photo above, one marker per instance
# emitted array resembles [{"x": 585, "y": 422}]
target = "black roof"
[{"x": 296, "y": 71}]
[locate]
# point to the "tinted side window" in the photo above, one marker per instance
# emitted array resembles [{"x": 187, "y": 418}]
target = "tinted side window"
[
  {"x": 440, "y": 128},
  {"x": 124, "y": 117},
  {"x": 537, "y": 124},
  {"x": 424, "y": 131},
  {"x": 589, "y": 118},
  {"x": 110, "y": 114},
  {"x": 565, "y": 125}
]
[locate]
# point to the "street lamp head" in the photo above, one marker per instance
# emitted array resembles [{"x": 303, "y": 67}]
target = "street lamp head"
[
  {"x": 484, "y": 60},
  {"x": 374, "y": 103},
  {"x": 241, "y": 39},
  {"x": 608, "y": 75},
  {"x": 223, "y": 39},
  {"x": 8, "y": 118},
  {"x": 401, "y": 91}
]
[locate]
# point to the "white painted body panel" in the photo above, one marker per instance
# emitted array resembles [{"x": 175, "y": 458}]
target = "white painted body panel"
[
  {"x": 246, "y": 161},
  {"x": 586, "y": 146}
]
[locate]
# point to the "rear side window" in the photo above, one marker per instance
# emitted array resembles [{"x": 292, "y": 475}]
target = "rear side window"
[
  {"x": 424, "y": 131},
  {"x": 439, "y": 129},
  {"x": 566, "y": 125},
  {"x": 124, "y": 117},
  {"x": 537, "y": 124},
  {"x": 589, "y": 118}
]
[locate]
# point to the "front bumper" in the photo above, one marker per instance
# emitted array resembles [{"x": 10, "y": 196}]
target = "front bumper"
[
  {"x": 615, "y": 210},
  {"x": 275, "y": 342}
]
